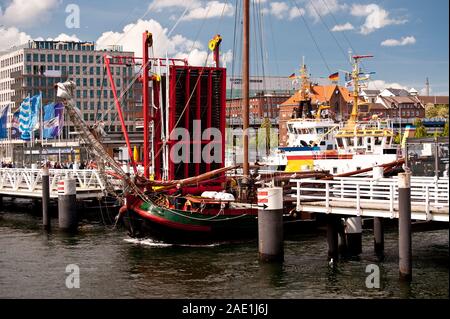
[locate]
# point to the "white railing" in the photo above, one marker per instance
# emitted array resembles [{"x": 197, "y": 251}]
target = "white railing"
[
  {"x": 428, "y": 195},
  {"x": 28, "y": 182}
]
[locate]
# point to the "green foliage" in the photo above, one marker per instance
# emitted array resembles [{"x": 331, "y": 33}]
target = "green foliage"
[
  {"x": 421, "y": 131},
  {"x": 445, "y": 132},
  {"x": 438, "y": 110},
  {"x": 398, "y": 139}
]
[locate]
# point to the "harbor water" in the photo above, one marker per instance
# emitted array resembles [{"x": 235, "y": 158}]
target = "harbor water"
[{"x": 111, "y": 265}]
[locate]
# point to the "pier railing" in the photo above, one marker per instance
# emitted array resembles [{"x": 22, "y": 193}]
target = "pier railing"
[
  {"x": 23, "y": 182},
  {"x": 373, "y": 197}
]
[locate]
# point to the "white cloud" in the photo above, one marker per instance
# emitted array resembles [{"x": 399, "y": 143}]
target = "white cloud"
[
  {"x": 26, "y": 13},
  {"x": 12, "y": 37},
  {"x": 403, "y": 41},
  {"x": 281, "y": 10},
  {"x": 343, "y": 27},
  {"x": 296, "y": 12},
  {"x": 317, "y": 9},
  {"x": 376, "y": 17},
  {"x": 381, "y": 85},
  {"x": 211, "y": 10},
  {"x": 177, "y": 46}
]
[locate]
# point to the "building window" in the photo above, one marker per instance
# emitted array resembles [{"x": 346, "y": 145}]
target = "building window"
[
  {"x": 98, "y": 70},
  {"x": 85, "y": 59},
  {"x": 28, "y": 57},
  {"x": 91, "y": 82},
  {"x": 78, "y": 81},
  {"x": 77, "y": 58},
  {"x": 77, "y": 70},
  {"x": 56, "y": 58},
  {"x": 35, "y": 57},
  {"x": 42, "y": 58},
  {"x": 70, "y": 70},
  {"x": 63, "y": 58},
  {"x": 84, "y": 82},
  {"x": 70, "y": 58},
  {"x": 91, "y": 59},
  {"x": 85, "y": 94},
  {"x": 91, "y": 70},
  {"x": 78, "y": 93}
]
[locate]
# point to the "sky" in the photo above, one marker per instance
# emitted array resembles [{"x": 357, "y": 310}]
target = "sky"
[{"x": 409, "y": 39}]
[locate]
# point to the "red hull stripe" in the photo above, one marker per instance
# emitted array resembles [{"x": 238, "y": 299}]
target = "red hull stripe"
[
  {"x": 170, "y": 223},
  {"x": 263, "y": 200}
]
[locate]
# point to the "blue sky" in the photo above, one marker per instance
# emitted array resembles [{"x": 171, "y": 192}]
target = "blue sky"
[{"x": 409, "y": 38}]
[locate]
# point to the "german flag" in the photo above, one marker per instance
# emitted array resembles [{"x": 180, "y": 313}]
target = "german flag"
[
  {"x": 292, "y": 76},
  {"x": 334, "y": 77}
]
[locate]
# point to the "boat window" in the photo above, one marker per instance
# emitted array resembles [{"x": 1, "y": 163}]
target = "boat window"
[
  {"x": 335, "y": 170},
  {"x": 323, "y": 143},
  {"x": 378, "y": 140},
  {"x": 360, "y": 141},
  {"x": 291, "y": 128},
  {"x": 350, "y": 141},
  {"x": 340, "y": 143},
  {"x": 388, "y": 140},
  {"x": 319, "y": 130}
]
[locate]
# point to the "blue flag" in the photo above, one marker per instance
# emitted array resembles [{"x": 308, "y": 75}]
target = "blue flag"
[
  {"x": 4, "y": 122},
  {"x": 29, "y": 116},
  {"x": 53, "y": 120},
  {"x": 15, "y": 133}
]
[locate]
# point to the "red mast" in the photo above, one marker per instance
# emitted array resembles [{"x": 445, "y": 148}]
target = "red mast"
[{"x": 147, "y": 42}]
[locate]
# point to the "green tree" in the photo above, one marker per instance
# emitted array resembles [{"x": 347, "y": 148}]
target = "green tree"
[
  {"x": 421, "y": 130},
  {"x": 445, "y": 131}
]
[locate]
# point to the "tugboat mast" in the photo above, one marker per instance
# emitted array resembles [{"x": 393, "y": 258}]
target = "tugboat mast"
[{"x": 355, "y": 76}]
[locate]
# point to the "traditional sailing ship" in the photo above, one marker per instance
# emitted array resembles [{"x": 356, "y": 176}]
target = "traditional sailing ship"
[{"x": 166, "y": 200}]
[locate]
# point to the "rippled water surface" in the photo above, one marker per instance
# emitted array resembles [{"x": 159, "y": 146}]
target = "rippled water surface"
[{"x": 33, "y": 264}]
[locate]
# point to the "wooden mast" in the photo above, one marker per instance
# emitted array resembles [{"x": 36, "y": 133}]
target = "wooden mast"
[{"x": 246, "y": 83}]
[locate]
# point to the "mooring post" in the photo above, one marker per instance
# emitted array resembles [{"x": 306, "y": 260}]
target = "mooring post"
[
  {"x": 353, "y": 232},
  {"x": 270, "y": 224},
  {"x": 46, "y": 222},
  {"x": 67, "y": 205},
  {"x": 378, "y": 235},
  {"x": 378, "y": 227},
  {"x": 404, "y": 226},
  {"x": 332, "y": 237}
]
